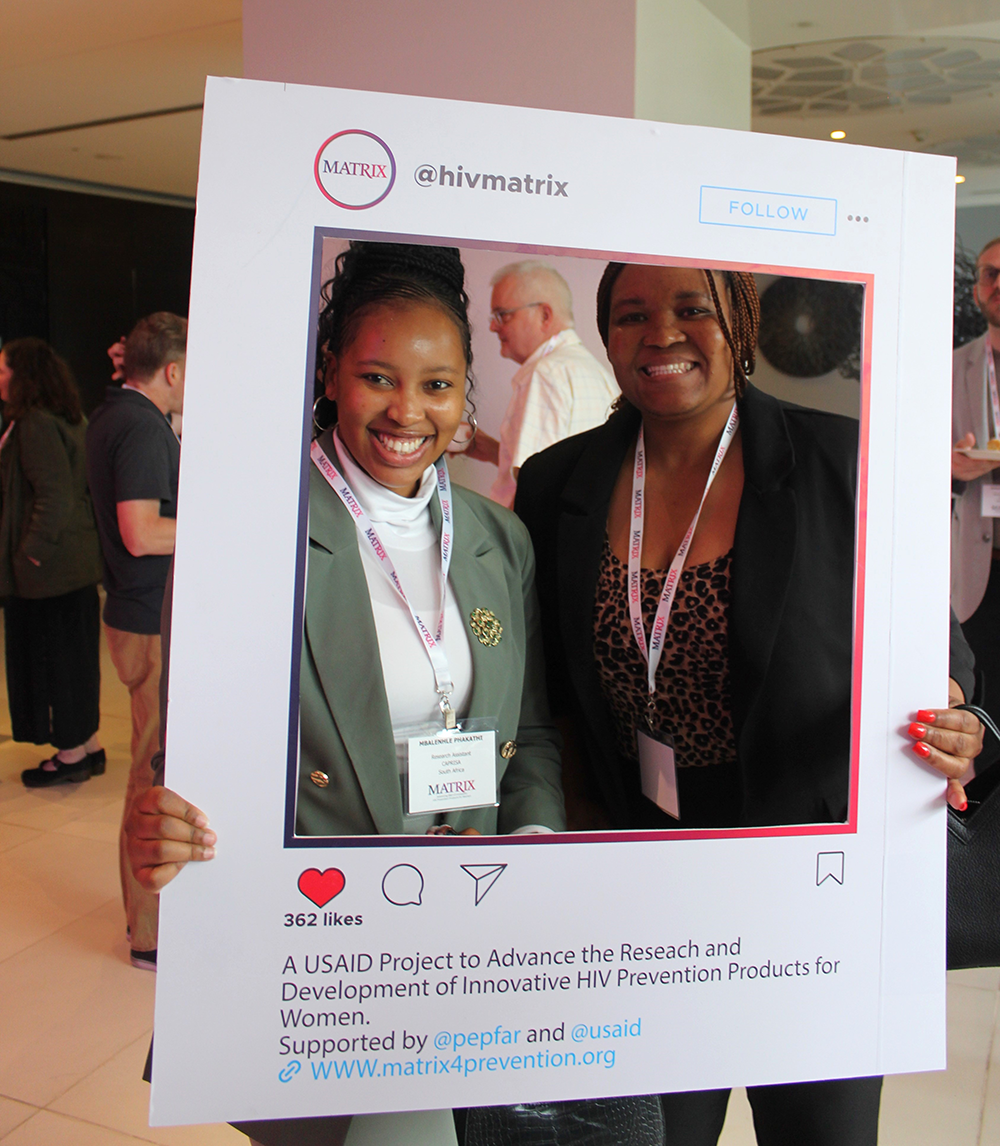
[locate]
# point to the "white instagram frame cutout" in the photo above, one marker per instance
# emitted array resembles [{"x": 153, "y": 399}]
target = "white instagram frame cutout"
[{"x": 627, "y": 188}]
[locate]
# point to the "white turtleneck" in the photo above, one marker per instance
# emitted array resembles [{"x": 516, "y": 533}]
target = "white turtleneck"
[{"x": 409, "y": 536}]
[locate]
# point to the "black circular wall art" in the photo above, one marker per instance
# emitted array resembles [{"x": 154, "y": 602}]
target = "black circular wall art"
[{"x": 809, "y": 328}]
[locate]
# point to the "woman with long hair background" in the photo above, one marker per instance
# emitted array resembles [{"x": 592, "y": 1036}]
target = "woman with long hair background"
[{"x": 50, "y": 564}]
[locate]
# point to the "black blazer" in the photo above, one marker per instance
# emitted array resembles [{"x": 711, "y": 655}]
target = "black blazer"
[{"x": 790, "y": 625}]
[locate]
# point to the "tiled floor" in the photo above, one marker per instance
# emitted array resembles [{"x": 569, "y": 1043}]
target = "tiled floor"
[{"x": 75, "y": 1016}]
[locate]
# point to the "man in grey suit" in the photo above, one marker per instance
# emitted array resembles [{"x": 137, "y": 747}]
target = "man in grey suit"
[{"x": 975, "y": 535}]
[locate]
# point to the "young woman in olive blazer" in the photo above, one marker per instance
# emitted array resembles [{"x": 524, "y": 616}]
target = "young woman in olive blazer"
[
  {"x": 345, "y": 730},
  {"x": 346, "y": 738},
  {"x": 396, "y": 371}
]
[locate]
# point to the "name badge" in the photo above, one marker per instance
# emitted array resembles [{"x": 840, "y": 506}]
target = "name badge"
[
  {"x": 451, "y": 770},
  {"x": 989, "y": 504},
  {"x": 659, "y": 771}
]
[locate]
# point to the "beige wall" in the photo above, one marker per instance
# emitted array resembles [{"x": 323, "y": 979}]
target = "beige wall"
[{"x": 690, "y": 66}]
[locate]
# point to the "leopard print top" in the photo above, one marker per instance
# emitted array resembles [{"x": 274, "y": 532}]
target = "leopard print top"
[{"x": 693, "y": 700}]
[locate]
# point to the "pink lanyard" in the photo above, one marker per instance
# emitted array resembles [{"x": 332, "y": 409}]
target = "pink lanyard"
[
  {"x": 657, "y": 638},
  {"x": 433, "y": 642}
]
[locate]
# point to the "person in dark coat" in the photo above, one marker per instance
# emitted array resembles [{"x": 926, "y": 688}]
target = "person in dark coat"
[{"x": 50, "y": 564}]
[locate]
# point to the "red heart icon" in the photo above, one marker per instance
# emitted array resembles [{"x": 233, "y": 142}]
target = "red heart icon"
[{"x": 321, "y": 886}]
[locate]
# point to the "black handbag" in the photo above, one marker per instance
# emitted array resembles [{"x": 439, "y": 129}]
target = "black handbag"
[
  {"x": 974, "y": 869},
  {"x": 587, "y": 1122}
]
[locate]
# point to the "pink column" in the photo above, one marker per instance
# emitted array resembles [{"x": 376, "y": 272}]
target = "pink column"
[{"x": 568, "y": 55}]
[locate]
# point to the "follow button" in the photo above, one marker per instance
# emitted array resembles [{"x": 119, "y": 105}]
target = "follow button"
[{"x": 767, "y": 210}]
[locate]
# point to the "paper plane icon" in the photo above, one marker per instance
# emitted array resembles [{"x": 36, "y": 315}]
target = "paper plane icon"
[{"x": 485, "y": 875}]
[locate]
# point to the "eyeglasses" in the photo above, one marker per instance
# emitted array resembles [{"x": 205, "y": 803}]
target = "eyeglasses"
[
  {"x": 502, "y": 317},
  {"x": 987, "y": 276}
]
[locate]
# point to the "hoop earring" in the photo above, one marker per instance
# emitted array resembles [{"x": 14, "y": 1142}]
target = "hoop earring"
[
  {"x": 321, "y": 429},
  {"x": 474, "y": 424}
]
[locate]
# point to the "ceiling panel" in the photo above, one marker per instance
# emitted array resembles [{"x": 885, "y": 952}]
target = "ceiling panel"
[
  {"x": 927, "y": 92},
  {"x": 74, "y": 61},
  {"x": 151, "y": 155},
  {"x": 158, "y": 72},
  {"x": 35, "y": 30},
  {"x": 774, "y": 22}
]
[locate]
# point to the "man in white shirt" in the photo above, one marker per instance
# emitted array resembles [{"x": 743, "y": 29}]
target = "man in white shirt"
[
  {"x": 975, "y": 538},
  {"x": 560, "y": 388}
]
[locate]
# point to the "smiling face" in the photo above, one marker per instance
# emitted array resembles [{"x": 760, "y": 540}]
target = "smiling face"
[
  {"x": 665, "y": 344},
  {"x": 6, "y": 374},
  {"x": 399, "y": 386}
]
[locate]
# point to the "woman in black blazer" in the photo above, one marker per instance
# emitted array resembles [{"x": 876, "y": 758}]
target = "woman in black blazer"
[{"x": 753, "y": 688}]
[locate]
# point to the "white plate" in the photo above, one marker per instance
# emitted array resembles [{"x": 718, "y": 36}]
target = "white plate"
[{"x": 982, "y": 455}]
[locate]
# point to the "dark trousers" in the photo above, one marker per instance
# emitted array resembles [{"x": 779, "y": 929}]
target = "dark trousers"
[
  {"x": 840, "y": 1112},
  {"x": 330, "y": 1131},
  {"x": 52, "y": 648},
  {"x": 982, "y": 631}
]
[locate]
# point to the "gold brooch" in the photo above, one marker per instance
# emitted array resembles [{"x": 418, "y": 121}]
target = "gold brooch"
[{"x": 486, "y": 626}]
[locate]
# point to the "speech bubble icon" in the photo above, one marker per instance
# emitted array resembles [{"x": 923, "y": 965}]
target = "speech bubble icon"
[{"x": 403, "y": 885}]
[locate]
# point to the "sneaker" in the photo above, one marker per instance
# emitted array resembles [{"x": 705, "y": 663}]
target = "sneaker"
[{"x": 144, "y": 960}]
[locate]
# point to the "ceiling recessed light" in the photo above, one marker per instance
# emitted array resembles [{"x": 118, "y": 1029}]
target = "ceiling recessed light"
[
  {"x": 959, "y": 178},
  {"x": 838, "y": 134}
]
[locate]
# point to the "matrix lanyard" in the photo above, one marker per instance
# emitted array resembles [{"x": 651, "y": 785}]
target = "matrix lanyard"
[
  {"x": 657, "y": 638},
  {"x": 991, "y": 386},
  {"x": 433, "y": 642}
]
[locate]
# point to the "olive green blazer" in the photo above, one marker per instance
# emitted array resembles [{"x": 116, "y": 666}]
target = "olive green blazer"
[
  {"x": 46, "y": 515},
  {"x": 345, "y": 732}
]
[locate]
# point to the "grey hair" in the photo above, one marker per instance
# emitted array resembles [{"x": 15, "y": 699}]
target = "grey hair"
[{"x": 545, "y": 281}]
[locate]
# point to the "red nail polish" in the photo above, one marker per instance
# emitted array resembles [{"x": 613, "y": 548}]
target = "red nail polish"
[
  {"x": 926, "y": 715},
  {"x": 917, "y": 731},
  {"x": 922, "y": 750},
  {"x": 964, "y": 804}
]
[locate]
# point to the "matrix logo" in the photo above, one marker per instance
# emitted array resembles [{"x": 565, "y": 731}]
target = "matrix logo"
[{"x": 355, "y": 169}]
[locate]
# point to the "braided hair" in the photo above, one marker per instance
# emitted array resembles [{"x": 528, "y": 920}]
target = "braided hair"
[
  {"x": 740, "y": 332},
  {"x": 373, "y": 274}
]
